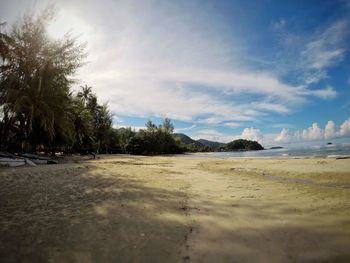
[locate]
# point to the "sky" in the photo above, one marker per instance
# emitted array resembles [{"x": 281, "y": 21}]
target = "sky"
[{"x": 273, "y": 71}]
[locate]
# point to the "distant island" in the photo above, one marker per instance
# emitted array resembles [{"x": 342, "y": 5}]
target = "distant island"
[
  {"x": 243, "y": 145},
  {"x": 276, "y": 147},
  {"x": 202, "y": 145}
]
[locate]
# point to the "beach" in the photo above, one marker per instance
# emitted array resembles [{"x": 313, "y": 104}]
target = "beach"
[{"x": 122, "y": 208}]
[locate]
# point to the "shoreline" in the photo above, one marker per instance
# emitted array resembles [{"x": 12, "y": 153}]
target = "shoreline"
[{"x": 212, "y": 155}]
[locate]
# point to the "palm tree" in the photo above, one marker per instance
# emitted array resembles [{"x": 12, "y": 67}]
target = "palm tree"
[
  {"x": 83, "y": 126},
  {"x": 85, "y": 94}
]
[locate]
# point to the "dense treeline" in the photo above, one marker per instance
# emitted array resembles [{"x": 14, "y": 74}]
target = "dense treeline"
[
  {"x": 39, "y": 111},
  {"x": 155, "y": 140}
]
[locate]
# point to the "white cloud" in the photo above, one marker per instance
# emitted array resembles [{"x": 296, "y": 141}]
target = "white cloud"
[
  {"x": 314, "y": 77},
  {"x": 345, "y": 128},
  {"x": 252, "y": 134},
  {"x": 284, "y": 136},
  {"x": 282, "y": 125},
  {"x": 312, "y": 133},
  {"x": 233, "y": 124},
  {"x": 308, "y": 56},
  {"x": 325, "y": 50},
  {"x": 315, "y": 133},
  {"x": 327, "y": 93},
  {"x": 325, "y": 58},
  {"x": 329, "y": 131}
]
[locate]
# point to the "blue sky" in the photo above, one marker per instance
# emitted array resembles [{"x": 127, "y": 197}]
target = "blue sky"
[{"x": 274, "y": 71}]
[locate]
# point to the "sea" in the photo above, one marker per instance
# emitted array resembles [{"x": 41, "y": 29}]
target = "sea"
[{"x": 334, "y": 148}]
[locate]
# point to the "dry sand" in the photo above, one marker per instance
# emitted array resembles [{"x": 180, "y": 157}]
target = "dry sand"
[{"x": 177, "y": 209}]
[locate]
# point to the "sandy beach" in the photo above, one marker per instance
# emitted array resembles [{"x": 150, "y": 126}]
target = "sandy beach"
[{"x": 177, "y": 209}]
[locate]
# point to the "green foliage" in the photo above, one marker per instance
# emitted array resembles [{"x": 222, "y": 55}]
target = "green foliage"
[
  {"x": 155, "y": 140},
  {"x": 126, "y": 136},
  {"x": 190, "y": 145},
  {"x": 34, "y": 83},
  {"x": 243, "y": 145},
  {"x": 83, "y": 126}
]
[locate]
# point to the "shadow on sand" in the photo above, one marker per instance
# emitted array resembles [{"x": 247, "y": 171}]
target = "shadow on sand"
[{"x": 80, "y": 214}]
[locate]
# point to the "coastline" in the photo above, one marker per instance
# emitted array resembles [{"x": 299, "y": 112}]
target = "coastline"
[
  {"x": 176, "y": 209},
  {"x": 228, "y": 155}
]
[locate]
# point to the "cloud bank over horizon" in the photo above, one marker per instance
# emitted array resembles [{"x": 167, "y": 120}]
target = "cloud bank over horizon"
[{"x": 314, "y": 132}]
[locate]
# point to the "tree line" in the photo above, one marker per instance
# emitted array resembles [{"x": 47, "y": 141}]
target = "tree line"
[{"x": 40, "y": 112}]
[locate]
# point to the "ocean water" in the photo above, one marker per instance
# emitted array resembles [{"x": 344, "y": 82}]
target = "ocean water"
[{"x": 339, "y": 147}]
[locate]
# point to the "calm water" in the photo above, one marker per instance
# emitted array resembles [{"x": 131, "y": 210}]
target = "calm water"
[{"x": 339, "y": 147}]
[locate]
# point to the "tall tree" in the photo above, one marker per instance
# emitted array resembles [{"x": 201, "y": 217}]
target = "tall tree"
[
  {"x": 167, "y": 126},
  {"x": 85, "y": 93},
  {"x": 35, "y": 78}
]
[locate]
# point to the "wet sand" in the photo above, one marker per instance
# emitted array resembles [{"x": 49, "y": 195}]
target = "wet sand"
[{"x": 177, "y": 209}]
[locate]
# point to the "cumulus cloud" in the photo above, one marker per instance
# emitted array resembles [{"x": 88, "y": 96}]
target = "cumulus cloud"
[
  {"x": 345, "y": 128},
  {"x": 315, "y": 133},
  {"x": 284, "y": 136},
  {"x": 312, "y": 133},
  {"x": 329, "y": 131},
  {"x": 251, "y": 134}
]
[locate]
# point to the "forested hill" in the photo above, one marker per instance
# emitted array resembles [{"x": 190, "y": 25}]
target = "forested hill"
[
  {"x": 203, "y": 145},
  {"x": 211, "y": 143},
  {"x": 188, "y": 141},
  {"x": 243, "y": 145}
]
